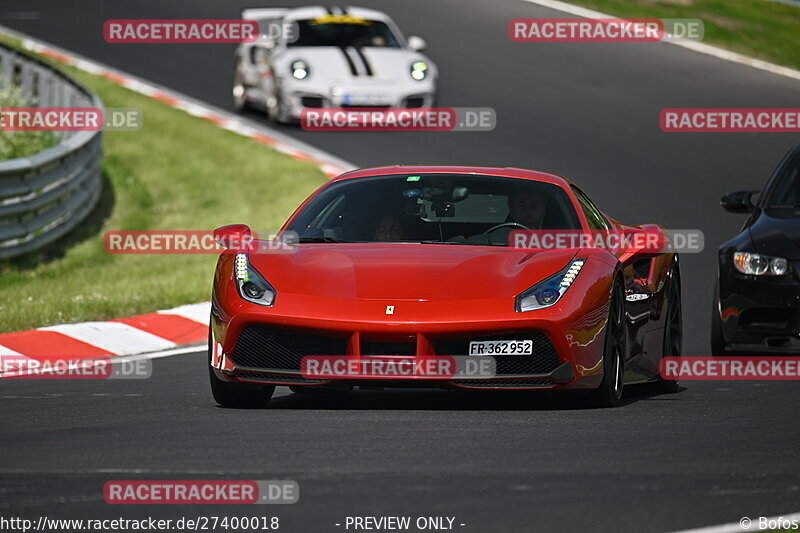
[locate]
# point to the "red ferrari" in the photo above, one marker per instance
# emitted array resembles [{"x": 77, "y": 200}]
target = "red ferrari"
[{"x": 405, "y": 265}]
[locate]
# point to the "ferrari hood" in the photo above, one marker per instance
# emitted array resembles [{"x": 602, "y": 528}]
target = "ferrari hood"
[
  {"x": 776, "y": 231},
  {"x": 396, "y": 271}
]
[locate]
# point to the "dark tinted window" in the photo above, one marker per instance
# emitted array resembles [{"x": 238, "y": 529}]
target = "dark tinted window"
[
  {"x": 316, "y": 32},
  {"x": 786, "y": 191},
  {"x": 455, "y": 208}
]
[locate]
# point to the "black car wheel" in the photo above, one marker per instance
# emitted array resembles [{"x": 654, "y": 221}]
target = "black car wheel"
[
  {"x": 609, "y": 393},
  {"x": 673, "y": 330},
  {"x": 717, "y": 340}
]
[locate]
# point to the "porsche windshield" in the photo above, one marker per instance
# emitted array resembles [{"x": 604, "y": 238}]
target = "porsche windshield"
[
  {"x": 433, "y": 208},
  {"x": 343, "y": 31}
]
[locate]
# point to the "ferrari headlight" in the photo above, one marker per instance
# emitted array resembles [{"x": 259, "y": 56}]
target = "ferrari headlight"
[
  {"x": 300, "y": 69},
  {"x": 760, "y": 265},
  {"x": 549, "y": 292},
  {"x": 419, "y": 69},
  {"x": 251, "y": 285}
]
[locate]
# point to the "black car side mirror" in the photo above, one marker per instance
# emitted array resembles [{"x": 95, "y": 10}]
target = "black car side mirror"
[{"x": 738, "y": 202}]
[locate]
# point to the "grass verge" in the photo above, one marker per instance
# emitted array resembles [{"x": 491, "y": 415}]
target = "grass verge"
[
  {"x": 14, "y": 144},
  {"x": 177, "y": 172},
  {"x": 759, "y": 28}
]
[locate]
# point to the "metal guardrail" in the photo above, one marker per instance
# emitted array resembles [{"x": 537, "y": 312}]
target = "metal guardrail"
[{"x": 44, "y": 196}]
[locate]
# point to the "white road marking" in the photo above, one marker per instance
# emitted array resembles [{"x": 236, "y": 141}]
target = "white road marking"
[
  {"x": 707, "y": 49},
  {"x": 197, "y": 312},
  {"x": 7, "y": 351},
  {"x": 114, "y": 337},
  {"x": 739, "y": 527}
]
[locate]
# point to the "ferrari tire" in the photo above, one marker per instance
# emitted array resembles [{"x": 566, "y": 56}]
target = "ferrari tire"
[
  {"x": 609, "y": 393},
  {"x": 673, "y": 331},
  {"x": 239, "y": 395}
]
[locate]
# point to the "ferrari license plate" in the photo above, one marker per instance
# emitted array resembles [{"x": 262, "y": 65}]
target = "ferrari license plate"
[{"x": 504, "y": 347}]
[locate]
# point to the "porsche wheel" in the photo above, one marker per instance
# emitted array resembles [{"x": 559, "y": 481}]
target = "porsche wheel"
[
  {"x": 241, "y": 395},
  {"x": 609, "y": 393},
  {"x": 673, "y": 331},
  {"x": 239, "y": 92},
  {"x": 276, "y": 109}
]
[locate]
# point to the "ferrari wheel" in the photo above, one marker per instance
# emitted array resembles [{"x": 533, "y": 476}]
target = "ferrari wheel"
[
  {"x": 241, "y": 395},
  {"x": 609, "y": 393},
  {"x": 673, "y": 331}
]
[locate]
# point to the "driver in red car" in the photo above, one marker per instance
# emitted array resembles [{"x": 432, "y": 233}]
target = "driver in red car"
[{"x": 526, "y": 208}]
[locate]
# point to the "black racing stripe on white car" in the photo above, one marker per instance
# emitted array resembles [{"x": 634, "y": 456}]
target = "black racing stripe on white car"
[
  {"x": 364, "y": 60},
  {"x": 353, "y": 69}
]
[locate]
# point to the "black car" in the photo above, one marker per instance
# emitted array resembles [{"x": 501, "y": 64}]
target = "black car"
[{"x": 757, "y": 297}]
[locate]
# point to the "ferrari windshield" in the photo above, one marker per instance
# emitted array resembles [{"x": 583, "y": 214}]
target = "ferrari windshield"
[
  {"x": 433, "y": 208},
  {"x": 343, "y": 31}
]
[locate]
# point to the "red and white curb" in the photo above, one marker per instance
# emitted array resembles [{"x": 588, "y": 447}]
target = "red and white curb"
[
  {"x": 152, "y": 332},
  {"x": 329, "y": 164},
  {"x": 155, "y": 334}
]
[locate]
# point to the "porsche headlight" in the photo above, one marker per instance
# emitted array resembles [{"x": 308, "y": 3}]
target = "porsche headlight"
[
  {"x": 760, "y": 265},
  {"x": 419, "y": 69},
  {"x": 300, "y": 69},
  {"x": 549, "y": 292},
  {"x": 251, "y": 285}
]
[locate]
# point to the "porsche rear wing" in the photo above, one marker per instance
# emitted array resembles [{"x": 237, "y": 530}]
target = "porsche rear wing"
[{"x": 263, "y": 13}]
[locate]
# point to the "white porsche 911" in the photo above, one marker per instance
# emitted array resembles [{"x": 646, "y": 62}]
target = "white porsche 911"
[{"x": 311, "y": 57}]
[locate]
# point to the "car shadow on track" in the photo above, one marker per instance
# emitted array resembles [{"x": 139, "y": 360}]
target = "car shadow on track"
[{"x": 458, "y": 400}]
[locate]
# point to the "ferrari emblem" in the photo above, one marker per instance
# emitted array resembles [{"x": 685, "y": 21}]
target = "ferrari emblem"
[{"x": 389, "y": 309}]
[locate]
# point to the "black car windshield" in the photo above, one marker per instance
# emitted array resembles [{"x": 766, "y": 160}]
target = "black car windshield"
[
  {"x": 433, "y": 208},
  {"x": 786, "y": 191},
  {"x": 343, "y": 30}
]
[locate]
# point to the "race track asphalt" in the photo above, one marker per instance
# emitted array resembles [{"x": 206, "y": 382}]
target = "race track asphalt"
[{"x": 711, "y": 453}]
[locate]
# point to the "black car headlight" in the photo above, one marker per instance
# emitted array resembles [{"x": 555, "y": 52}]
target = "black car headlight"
[
  {"x": 419, "y": 70},
  {"x": 760, "y": 265},
  {"x": 251, "y": 285},
  {"x": 300, "y": 70},
  {"x": 549, "y": 292}
]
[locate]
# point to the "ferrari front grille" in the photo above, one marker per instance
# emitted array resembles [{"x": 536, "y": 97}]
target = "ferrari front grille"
[{"x": 263, "y": 347}]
